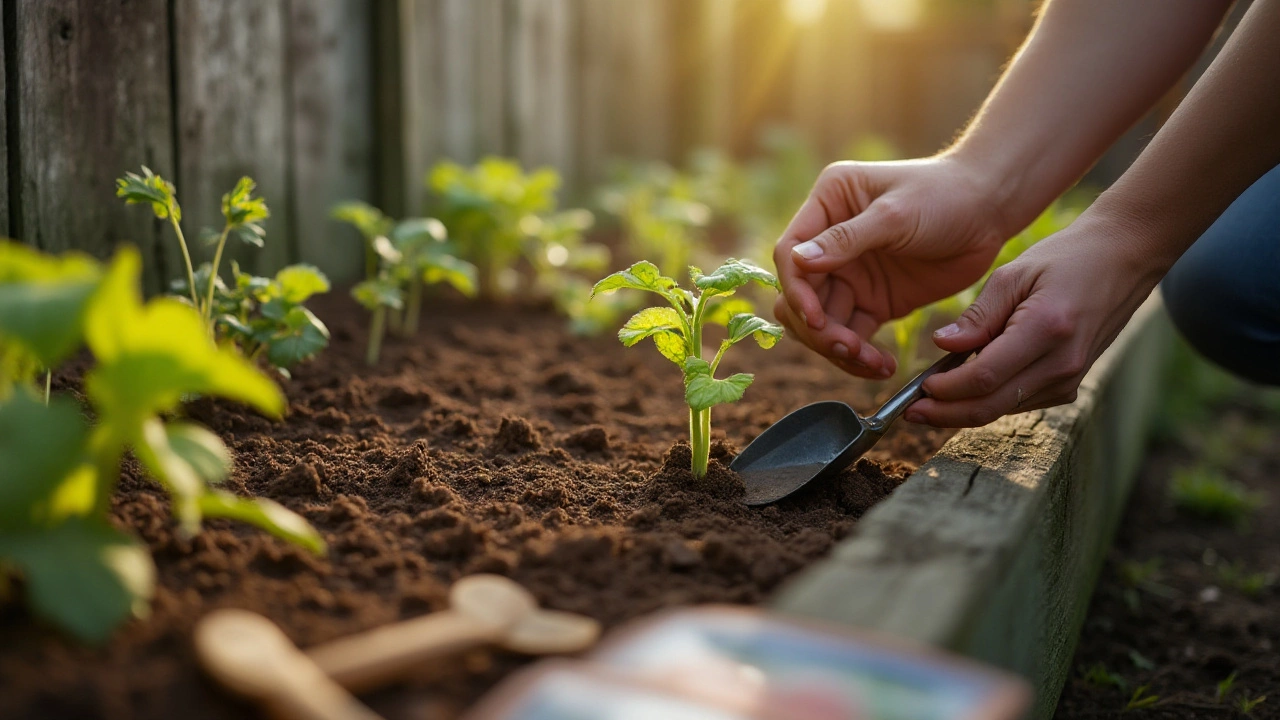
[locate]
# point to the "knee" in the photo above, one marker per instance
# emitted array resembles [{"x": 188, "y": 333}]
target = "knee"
[{"x": 1215, "y": 313}]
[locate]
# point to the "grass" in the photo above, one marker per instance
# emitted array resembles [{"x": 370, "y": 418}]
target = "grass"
[
  {"x": 1141, "y": 698},
  {"x": 1238, "y": 577},
  {"x": 1208, "y": 494}
]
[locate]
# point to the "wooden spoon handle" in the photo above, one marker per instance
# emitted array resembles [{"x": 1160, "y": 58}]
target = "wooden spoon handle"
[
  {"x": 382, "y": 655},
  {"x": 309, "y": 694}
]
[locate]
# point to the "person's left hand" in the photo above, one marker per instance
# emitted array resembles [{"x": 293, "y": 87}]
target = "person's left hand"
[{"x": 1041, "y": 321}]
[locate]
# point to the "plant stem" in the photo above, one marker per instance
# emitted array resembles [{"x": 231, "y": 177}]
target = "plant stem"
[
  {"x": 186, "y": 257},
  {"x": 375, "y": 334},
  {"x": 370, "y": 260},
  {"x": 414, "y": 307},
  {"x": 395, "y": 317},
  {"x": 48, "y": 385},
  {"x": 213, "y": 276},
  {"x": 700, "y": 440}
]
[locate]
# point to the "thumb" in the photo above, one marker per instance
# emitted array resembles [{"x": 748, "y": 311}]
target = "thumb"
[
  {"x": 836, "y": 246},
  {"x": 985, "y": 319}
]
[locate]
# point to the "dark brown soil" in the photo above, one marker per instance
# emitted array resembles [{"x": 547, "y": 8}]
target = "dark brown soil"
[
  {"x": 1167, "y": 613},
  {"x": 494, "y": 443}
]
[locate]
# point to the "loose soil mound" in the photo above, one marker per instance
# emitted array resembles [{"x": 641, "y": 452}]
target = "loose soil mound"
[
  {"x": 494, "y": 443},
  {"x": 1168, "y": 614}
]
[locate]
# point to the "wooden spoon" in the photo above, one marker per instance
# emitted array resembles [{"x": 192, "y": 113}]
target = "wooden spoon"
[
  {"x": 483, "y": 609},
  {"x": 249, "y": 655}
]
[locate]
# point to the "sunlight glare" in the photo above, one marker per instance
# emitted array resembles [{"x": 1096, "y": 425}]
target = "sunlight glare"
[
  {"x": 892, "y": 14},
  {"x": 805, "y": 12}
]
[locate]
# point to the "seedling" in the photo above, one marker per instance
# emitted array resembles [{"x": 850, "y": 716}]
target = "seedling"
[
  {"x": 1144, "y": 576},
  {"x": 400, "y": 258},
  {"x": 1246, "y": 706},
  {"x": 1099, "y": 676},
  {"x": 498, "y": 215},
  {"x": 266, "y": 316},
  {"x": 1238, "y": 577},
  {"x": 1206, "y": 493},
  {"x": 1224, "y": 688},
  {"x": 1141, "y": 698},
  {"x": 677, "y": 333},
  {"x": 1140, "y": 661},
  {"x": 242, "y": 216},
  {"x": 57, "y": 473},
  {"x": 660, "y": 213}
]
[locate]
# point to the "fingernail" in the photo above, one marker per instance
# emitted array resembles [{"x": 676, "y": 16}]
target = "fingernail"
[
  {"x": 840, "y": 350},
  {"x": 808, "y": 250},
  {"x": 914, "y": 416},
  {"x": 946, "y": 332}
]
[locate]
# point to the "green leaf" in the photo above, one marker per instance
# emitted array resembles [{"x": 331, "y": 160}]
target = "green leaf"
[
  {"x": 722, "y": 312},
  {"x": 43, "y": 300},
  {"x": 150, "y": 189},
  {"x": 459, "y": 274},
  {"x": 672, "y": 346},
  {"x": 418, "y": 232},
  {"x": 200, "y": 449},
  {"x": 172, "y": 471},
  {"x": 373, "y": 294},
  {"x": 742, "y": 325},
  {"x": 250, "y": 234},
  {"x": 150, "y": 356},
  {"x": 702, "y": 391},
  {"x": 644, "y": 275},
  {"x": 82, "y": 575},
  {"x": 299, "y": 282},
  {"x": 241, "y": 208},
  {"x": 39, "y": 448},
  {"x": 385, "y": 250},
  {"x": 648, "y": 322},
  {"x": 367, "y": 219},
  {"x": 265, "y": 514},
  {"x": 732, "y": 275},
  {"x": 305, "y": 337}
]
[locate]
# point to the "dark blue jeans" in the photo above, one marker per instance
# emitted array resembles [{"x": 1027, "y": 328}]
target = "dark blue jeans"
[{"x": 1224, "y": 293}]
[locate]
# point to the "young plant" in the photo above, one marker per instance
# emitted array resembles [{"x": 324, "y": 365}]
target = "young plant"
[
  {"x": 265, "y": 317},
  {"x": 242, "y": 215},
  {"x": 400, "y": 258},
  {"x": 1246, "y": 705},
  {"x": 499, "y": 216},
  {"x": 1238, "y": 577},
  {"x": 1141, "y": 698},
  {"x": 660, "y": 213},
  {"x": 1224, "y": 688},
  {"x": 1208, "y": 494},
  {"x": 677, "y": 331},
  {"x": 57, "y": 473}
]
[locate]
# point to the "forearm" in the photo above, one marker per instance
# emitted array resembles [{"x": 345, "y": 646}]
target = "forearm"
[
  {"x": 1223, "y": 137},
  {"x": 1087, "y": 72}
]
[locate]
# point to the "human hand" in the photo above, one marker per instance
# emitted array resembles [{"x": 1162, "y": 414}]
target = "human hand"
[
  {"x": 1041, "y": 321},
  {"x": 873, "y": 242}
]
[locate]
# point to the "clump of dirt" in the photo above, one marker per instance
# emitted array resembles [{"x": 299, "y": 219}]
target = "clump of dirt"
[{"x": 559, "y": 465}]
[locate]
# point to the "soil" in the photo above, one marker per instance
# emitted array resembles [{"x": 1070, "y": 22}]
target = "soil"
[
  {"x": 1188, "y": 626},
  {"x": 496, "y": 442}
]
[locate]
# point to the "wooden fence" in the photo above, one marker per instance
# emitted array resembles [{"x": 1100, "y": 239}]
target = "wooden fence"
[{"x": 325, "y": 100}]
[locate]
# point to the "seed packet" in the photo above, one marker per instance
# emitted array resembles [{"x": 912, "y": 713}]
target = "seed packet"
[
  {"x": 564, "y": 690},
  {"x": 766, "y": 665}
]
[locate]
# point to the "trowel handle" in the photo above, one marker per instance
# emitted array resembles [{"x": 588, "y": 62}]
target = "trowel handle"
[{"x": 913, "y": 391}]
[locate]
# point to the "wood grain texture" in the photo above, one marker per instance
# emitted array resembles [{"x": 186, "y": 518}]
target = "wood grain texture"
[
  {"x": 993, "y": 547},
  {"x": 331, "y": 81},
  {"x": 232, "y": 105},
  {"x": 541, "y": 84},
  {"x": 92, "y": 101}
]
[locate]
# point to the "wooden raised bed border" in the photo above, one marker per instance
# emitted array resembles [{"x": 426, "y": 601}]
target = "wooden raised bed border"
[{"x": 993, "y": 547}]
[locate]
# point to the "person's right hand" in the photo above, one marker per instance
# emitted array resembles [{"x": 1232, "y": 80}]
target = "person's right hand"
[{"x": 875, "y": 241}]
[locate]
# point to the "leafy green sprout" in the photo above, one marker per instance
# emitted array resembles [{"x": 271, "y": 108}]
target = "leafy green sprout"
[
  {"x": 1098, "y": 675},
  {"x": 1141, "y": 698},
  {"x": 266, "y": 316},
  {"x": 677, "y": 331},
  {"x": 401, "y": 258},
  {"x": 1246, "y": 705},
  {"x": 1207, "y": 493},
  {"x": 1224, "y": 688},
  {"x": 1238, "y": 577},
  {"x": 57, "y": 472},
  {"x": 242, "y": 215},
  {"x": 661, "y": 214}
]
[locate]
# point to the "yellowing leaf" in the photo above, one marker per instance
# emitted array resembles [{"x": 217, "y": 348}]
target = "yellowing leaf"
[{"x": 741, "y": 326}]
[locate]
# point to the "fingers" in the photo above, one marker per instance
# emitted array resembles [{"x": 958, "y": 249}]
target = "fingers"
[
  {"x": 1011, "y": 398},
  {"x": 838, "y": 343},
  {"x": 985, "y": 319},
  {"x": 876, "y": 227}
]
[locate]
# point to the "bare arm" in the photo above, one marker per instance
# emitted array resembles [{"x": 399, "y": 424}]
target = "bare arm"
[
  {"x": 1046, "y": 317},
  {"x": 1087, "y": 72}
]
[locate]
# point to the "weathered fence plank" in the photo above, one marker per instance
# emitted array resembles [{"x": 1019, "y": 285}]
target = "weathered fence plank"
[
  {"x": 92, "y": 101},
  {"x": 5, "y": 229},
  {"x": 331, "y": 81},
  {"x": 541, "y": 83},
  {"x": 232, "y": 117}
]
